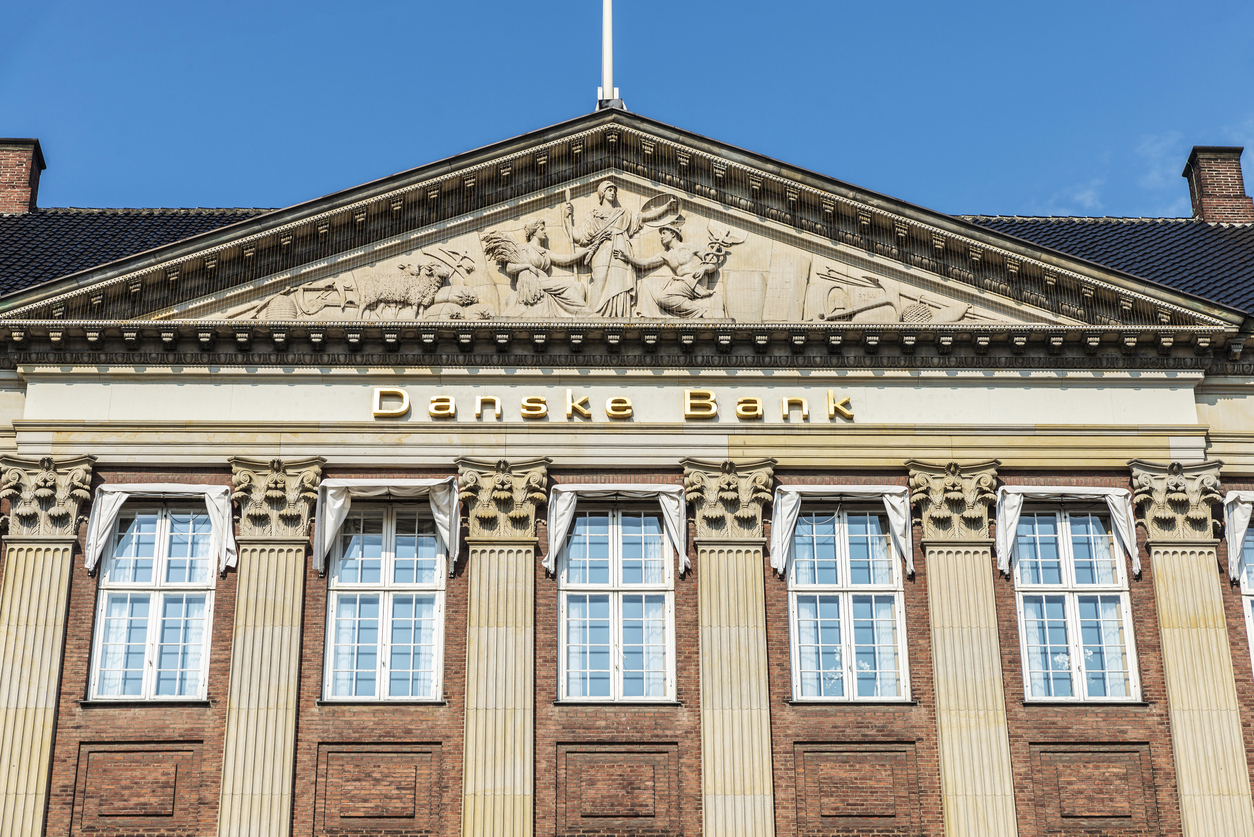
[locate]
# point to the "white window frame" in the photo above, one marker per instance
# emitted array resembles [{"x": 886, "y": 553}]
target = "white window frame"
[
  {"x": 616, "y": 589},
  {"x": 1071, "y": 591},
  {"x": 846, "y": 590},
  {"x": 387, "y": 589},
  {"x": 1247, "y": 586},
  {"x": 156, "y": 589}
]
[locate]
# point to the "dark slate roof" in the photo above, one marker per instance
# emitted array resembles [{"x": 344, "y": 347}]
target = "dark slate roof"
[
  {"x": 38, "y": 246},
  {"x": 1215, "y": 261}
]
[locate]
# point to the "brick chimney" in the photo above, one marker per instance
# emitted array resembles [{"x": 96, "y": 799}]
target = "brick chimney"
[
  {"x": 1216, "y": 185},
  {"x": 21, "y": 161}
]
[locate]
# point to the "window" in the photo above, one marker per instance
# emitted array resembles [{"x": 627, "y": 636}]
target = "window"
[
  {"x": 617, "y": 608},
  {"x": 155, "y": 607},
  {"x": 1074, "y": 620},
  {"x": 845, "y": 606},
  {"x": 1247, "y": 585},
  {"x": 386, "y": 608}
]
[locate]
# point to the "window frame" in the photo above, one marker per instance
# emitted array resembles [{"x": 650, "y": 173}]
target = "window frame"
[
  {"x": 387, "y": 590},
  {"x": 616, "y": 589},
  {"x": 846, "y": 589},
  {"x": 1247, "y": 587},
  {"x": 1071, "y": 591},
  {"x": 157, "y": 590}
]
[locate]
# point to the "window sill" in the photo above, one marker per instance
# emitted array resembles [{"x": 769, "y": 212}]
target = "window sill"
[
  {"x": 381, "y": 703},
  {"x": 613, "y": 703},
  {"x": 134, "y": 703},
  {"x": 851, "y": 703},
  {"x": 1087, "y": 704}
]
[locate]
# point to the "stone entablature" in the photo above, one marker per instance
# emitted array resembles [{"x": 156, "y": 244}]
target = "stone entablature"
[
  {"x": 276, "y": 498},
  {"x": 953, "y": 499},
  {"x": 45, "y": 495},
  {"x": 728, "y": 497},
  {"x": 501, "y": 497},
  {"x": 1177, "y": 501}
]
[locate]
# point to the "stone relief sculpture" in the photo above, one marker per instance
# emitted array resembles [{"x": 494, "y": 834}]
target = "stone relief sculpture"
[
  {"x": 879, "y": 299},
  {"x": 537, "y": 294},
  {"x": 728, "y": 497},
  {"x": 606, "y": 229},
  {"x": 953, "y": 499},
  {"x": 685, "y": 292},
  {"x": 1177, "y": 501},
  {"x": 275, "y": 498},
  {"x": 44, "y": 495},
  {"x": 502, "y": 497}
]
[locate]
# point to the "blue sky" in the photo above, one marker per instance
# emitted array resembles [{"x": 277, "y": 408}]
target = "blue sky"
[{"x": 1083, "y": 108}]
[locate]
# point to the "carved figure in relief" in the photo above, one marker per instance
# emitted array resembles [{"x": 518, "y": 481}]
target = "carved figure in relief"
[
  {"x": 605, "y": 229},
  {"x": 878, "y": 299},
  {"x": 537, "y": 294},
  {"x": 686, "y": 292}
]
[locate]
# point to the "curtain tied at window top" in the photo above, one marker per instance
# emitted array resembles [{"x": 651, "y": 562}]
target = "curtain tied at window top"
[
  {"x": 787, "y": 508},
  {"x": 564, "y": 498},
  {"x": 1010, "y": 505},
  {"x": 111, "y": 498},
  {"x": 335, "y": 497}
]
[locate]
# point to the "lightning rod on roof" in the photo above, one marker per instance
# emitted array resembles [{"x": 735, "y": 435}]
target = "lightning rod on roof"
[{"x": 607, "y": 93}]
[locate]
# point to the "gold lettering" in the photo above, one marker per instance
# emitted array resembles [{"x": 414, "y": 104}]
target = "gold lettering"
[
  {"x": 700, "y": 404},
  {"x": 534, "y": 407},
  {"x": 789, "y": 403},
  {"x": 618, "y": 407},
  {"x": 390, "y": 412},
  {"x": 840, "y": 407},
  {"x": 442, "y": 406},
  {"x": 481, "y": 400},
  {"x": 749, "y": 408},
  {"x": 577, "y": 405}
]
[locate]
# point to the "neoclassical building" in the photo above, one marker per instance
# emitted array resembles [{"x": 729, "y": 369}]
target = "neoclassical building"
[{"x": 611, "y": 480}]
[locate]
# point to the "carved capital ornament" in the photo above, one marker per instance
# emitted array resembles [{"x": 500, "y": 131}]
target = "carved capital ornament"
[
  {"x": 1177, "y": 502},
  {"x": 728, "y": 497},
  {"x": 275, "y": 498},
  {"x": 45, "y": 495},
  {"x": 502, "y": 497},
  {"x": 953, "y": 499}
]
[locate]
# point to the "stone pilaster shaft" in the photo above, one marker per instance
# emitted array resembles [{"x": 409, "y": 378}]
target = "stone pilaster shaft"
[
  {"x": 736, "y": 782},
  {"x": 45, "y": 500},
  {"x": 1178, "y": 503},
  {"x": 260, "y": 747},
  {"x": 498, "y": 789},
  {"x": 977, "y": 783}
]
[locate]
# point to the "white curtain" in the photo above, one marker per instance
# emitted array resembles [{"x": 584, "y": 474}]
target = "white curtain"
[
  {"x": 335, "y": 496},
  {"x": 110, "y": 498},
  {"x": 787, "y": 509},
  {"x": 1237, "y": 507},
  {"x": 1010, "y": 504},
  {"x": 563, "y": 499}
]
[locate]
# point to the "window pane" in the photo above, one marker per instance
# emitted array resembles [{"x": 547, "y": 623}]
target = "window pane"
[
  {"x": 819, "y": 664},
  {"x": 416, "y": 550},
  {"x": 124, "y": 639},
  {"x": 190, "y": 556},
  {"x": 136, "y": 550},
  {"x": 870, "y": 560},
  {"x": 413, "y": 652},
  {"x": 361, "y": 545},
  {"x": 180, "y": 644},
  {"x": 814, "y": 550},
  {"x": 588, "y": 552},
  {"x": 1049, "y": 660},
  {"x": 642, "y": 549},
  {"x": 644, "y": 646},
  {"x": 1247, "y": 556},
  {"x": 876, "y": 668},
  {"x": 1094, "y": 556},
  {"x": 355, "y": 652},
  {"x": 587, "y": 646},
  {"x": 1105, "y": 651},
  {"x": 1037, "y": 549}
]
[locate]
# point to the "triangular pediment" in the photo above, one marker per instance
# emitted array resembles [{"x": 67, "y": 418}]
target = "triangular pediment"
[{"x": 696, "y": 233}]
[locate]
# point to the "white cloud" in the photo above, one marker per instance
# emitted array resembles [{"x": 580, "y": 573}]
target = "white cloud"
[{"x": 1164, "y": 156}]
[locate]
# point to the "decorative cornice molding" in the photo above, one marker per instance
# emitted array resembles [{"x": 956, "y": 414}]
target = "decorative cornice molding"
[
  {"x": 502, "y": 497},
  {"x": 276, "y": 497},
  {"x": 1177, "y": 501},
  {"x": 953, "y": 499},
  {"x": 45, "y": 495},
  {"x": 728, "y": 497}
]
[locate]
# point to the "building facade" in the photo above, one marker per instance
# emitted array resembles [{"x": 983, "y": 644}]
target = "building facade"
[{"x": 611, "y": 480}]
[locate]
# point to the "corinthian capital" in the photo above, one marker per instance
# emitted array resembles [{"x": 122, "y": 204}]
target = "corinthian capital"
[
  {"x": 728, "y": 497},
  {"x": 1177, "y": 502},
  {"x": 275, "y": 497},
  {"x": 502, "y": 497},
  {"x": 953, "y": 499},
  {"x": 45, "y": 495}
]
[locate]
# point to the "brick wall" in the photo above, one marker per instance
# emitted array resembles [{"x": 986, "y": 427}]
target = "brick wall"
[
  {"x": 121, "y": 769},
  {"x": 854, "y": 768},
  {"x": 617, "y": 770},
  {"x": 1216, "y": 185},
  {"x": 1091, "y": 768},
  {"x": 21, "y": 161}
]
